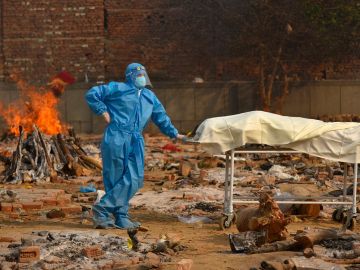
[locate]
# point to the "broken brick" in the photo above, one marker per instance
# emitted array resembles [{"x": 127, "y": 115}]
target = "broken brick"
[
  {"x": 29, "y": 254},
  {"x": 64, "y": 199},
  {"x": 7, "y": 239},
  {"x": 16, "y": 206},
  {"x": 48, "y": 201},
  {"x": 6, "y": 207},
  {"x": 32, "y": 205},
  {"x": 94, "y": 251}
]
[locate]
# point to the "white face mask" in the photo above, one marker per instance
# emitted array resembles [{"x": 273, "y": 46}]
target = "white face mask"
[{"x": 140, "y": 82}]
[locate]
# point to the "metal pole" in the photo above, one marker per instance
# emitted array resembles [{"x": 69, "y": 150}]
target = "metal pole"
[
  {"x": 231, "y": 182},
  {"x": 294, "y": 202},
  {"x": 267, "y": 152},
  {"x": 226, "y": 198},
  {"x": 355, "y": 181},
  {"x": 345, "y": 181}
]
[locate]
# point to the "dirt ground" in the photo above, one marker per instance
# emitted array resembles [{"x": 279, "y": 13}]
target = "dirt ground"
[{"x": 206, "y": 244}]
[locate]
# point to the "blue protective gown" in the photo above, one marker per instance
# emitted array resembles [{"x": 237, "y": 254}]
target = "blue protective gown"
[{"x": 122, "y": 146}]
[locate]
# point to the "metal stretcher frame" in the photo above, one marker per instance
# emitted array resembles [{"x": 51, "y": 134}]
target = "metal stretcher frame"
[{"x": 229, "y": 200}]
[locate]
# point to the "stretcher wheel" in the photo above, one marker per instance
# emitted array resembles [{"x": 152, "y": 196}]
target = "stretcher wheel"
[
  {"x": 352, "y": 223},
  {"x": 225, "y": 223}
]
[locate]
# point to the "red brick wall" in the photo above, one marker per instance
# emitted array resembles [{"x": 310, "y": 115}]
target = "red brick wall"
[
  {"x": 100, "y": 37},
  {"x": 146, "y": 35},
  {"x": 41, "y": 38}
]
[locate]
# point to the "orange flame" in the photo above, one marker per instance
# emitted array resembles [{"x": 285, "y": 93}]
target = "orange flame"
[{"x": 35, "y": 106}]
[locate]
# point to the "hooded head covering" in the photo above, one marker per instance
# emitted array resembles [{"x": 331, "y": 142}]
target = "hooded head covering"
[{"x": 133, "y": 70}]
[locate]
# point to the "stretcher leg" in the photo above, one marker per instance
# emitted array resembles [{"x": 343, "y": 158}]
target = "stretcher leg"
[{"x": 229, "y": 215}]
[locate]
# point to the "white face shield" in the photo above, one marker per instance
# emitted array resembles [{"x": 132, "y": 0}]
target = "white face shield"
[{"x": 134, "y": 72}]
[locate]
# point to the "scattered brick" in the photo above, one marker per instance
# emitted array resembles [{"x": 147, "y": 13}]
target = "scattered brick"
[
  {"x": 29, "y": 254},
  {"x": 32, "y": 205},
  {"x": 64, "y": 200},
  {"x": 94, "y": 251},
  {"x": 49, "y": 201},
  {"x": 7, "y": 239},
  {"x": 6, "y": 207},
  {"x": 17, "y": 207}
]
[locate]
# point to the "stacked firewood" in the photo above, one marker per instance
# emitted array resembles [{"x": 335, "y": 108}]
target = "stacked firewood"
[{"x": 42, "y": 157}]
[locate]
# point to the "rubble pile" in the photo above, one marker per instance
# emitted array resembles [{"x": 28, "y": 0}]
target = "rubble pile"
[
  {"x": 83, "y": 250},
  {"x": 36, "y": 204},
  {"x": 182, "y": 181},
  {"x": 322, "y": 249}
]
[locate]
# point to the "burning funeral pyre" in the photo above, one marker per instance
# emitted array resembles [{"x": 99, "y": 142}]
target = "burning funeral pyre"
[
  {"x": 43, "y": 157},
  {"x": 43, "y": 152}
]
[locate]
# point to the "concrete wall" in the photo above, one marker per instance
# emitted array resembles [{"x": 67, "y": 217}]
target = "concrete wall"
[{"x": 188, "y": 104}]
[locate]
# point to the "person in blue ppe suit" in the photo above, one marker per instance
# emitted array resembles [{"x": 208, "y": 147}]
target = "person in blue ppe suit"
[{"x": 127, "y": 108}]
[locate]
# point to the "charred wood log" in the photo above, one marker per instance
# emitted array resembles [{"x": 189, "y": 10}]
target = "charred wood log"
[
  {"x": 92, "y": 162},
  {"x": 58, "y": 149},
  {"x": 266, "y": 218},
  {"x": 13, "y": 173},
  {"x": 73, "y": 166},
  {"x": 308, "y": 239},
  {"x": 53, "y": 174},
  {"x": 76, "y": 140}
]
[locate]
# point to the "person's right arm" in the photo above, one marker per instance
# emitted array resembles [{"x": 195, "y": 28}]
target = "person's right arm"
[{"x": 95, "y": 98}]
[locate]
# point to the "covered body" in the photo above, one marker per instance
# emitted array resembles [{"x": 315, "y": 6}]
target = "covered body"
[{"x": 335, "y": 141}]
